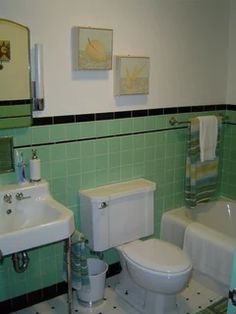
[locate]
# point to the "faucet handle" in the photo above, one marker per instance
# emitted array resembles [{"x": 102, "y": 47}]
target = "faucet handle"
[
  {"x": 7, "y": 198},
  {"x": 20, "y": 196}
]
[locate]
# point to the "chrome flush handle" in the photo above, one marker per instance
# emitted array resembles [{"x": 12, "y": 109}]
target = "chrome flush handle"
[{"x": 103, "y": 205}]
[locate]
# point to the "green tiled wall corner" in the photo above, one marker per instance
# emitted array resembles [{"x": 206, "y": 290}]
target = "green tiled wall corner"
[
  {"x": 228, "y": 179},
  {"x": 158, "y": 155}
]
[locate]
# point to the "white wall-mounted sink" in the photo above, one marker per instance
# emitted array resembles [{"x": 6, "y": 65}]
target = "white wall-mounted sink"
[{"x": 30, "y": 217}]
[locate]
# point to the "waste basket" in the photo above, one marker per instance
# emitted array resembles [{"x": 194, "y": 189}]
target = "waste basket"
[{"x": 94, "y": 292}]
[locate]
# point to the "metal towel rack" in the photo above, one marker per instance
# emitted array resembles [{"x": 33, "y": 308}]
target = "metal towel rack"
[{"x": 173, "y": 121}]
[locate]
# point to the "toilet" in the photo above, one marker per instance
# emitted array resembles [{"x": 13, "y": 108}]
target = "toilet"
[{"x": 119, "y": 216}]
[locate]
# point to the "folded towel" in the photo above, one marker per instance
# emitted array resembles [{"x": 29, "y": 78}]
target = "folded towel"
[{"x": 208, "y": 137}]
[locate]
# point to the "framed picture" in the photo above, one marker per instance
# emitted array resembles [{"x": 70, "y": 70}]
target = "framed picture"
[
  {"x": 5, "y": 52},
  {"x": 131, "y": 75},
  {"x": 93, "y": 48}
]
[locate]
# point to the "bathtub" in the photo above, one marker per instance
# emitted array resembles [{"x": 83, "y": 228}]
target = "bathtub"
[{"x": 208, "y": 235}]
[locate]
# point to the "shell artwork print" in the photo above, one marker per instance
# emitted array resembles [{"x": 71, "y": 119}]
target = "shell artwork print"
[
  {"x": 134, "y": 75},
  {"x": 95, "y": 49},
  {"x": 5, "y": 50}
]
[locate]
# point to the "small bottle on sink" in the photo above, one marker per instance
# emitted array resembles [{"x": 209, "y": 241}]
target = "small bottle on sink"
[{"x": 35, "y": 167}]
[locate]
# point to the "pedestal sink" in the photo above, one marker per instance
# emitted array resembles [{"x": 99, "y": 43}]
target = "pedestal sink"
[{"x": 30, "y": 217}]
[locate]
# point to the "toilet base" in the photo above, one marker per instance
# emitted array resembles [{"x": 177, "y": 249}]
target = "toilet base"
[
  {"x": 160, "y": 304},
  {"x": 146, "y": 302},
  {"x": 151, "y": 303}
]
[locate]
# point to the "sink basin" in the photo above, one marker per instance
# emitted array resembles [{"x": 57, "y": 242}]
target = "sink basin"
[{"x": 30, "y": 217}]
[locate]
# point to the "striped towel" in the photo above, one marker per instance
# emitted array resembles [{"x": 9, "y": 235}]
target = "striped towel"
[{"x": 201, "y": 177}]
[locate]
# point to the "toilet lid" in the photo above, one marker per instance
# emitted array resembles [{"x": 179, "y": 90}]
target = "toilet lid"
[{"x": 157, "y": 255}]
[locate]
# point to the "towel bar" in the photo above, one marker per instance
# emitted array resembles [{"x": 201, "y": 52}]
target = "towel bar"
[{"x": 173, "y": 121}]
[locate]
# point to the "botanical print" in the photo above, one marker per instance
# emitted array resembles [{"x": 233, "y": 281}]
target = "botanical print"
[
  {"x": 94, "y": 49},
  {"x": 134, "y": 75},
  {"x": 5, "y": 50}
]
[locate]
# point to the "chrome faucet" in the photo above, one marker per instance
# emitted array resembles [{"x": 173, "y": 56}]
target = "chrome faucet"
[
  {"x": 7, "y": 198},
  {"x": 20, "y": 196}
]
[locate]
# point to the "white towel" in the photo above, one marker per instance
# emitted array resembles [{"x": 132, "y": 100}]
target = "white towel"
[
  {"x": 208, "y": 132},
  {"x": 210, "y": 251}
]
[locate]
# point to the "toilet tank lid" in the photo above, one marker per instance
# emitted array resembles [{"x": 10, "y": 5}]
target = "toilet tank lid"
[{"x": 117, "y": 190}]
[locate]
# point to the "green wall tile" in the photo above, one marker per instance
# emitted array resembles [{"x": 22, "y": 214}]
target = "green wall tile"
[
  {"x": 22, "y": 136},
  {"x": 126, "y": 126},
  {"x": 101, "y": 162},
  {"x": 114, "y": 174},
  {"x": 88, "y": 163},
  {"x": 72, "y": 131},
  {"x": 58, "y": 168},
  {"x": 138, "y": 124},
  {"x": 114, "y": 145},
  {"x": 87, "y": 129},
  {"x": 71, "y": 166},
  {"x": 102, "y": 128},
  {"x": 101, "y": 177},
  {"x": 40, "y": 134},
  {"x": 73, "y": 150},
  {"x": 150, "y": 123},
  {"x": 58, "y": 133},
  {"x": 114, "y": 127},
  {"x": 101, "y": 146},
  {"x": 20, "y": 122},
  {"x": 87, "y": 148},
  {"x": 58, "y": 152},
  {"x": 14, "y": 111},
  {"x": 126, "y": 143}
]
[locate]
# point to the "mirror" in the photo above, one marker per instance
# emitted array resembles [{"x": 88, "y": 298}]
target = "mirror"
[
  {"x": 15, "y": 87},
  {"x": 6, "y": 154},
  {"x": 14, "y": 61}
]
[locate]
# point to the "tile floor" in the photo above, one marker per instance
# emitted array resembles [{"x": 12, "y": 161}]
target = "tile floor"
[{"x": 192, "y": 300}]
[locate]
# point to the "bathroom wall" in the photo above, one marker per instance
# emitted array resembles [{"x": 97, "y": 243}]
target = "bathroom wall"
[
  {"x": 187, "y": 42},
  {"x": 228, "y": 179},
  {"x": 107, "y": 149},
  {"x": 231, "y": 80}
]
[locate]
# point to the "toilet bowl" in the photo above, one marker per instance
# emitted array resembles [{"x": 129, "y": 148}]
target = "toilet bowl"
[
  {"x": 157, "y": 265},
  {"x": 159, "y": 268},
  {"x": 118, "y": 216}
]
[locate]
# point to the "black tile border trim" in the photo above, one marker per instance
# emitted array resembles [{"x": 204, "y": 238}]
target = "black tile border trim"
[
  {"x": 89, "y": 117},
  {"x": 29, "y": 299},
  {"x": 15, "y": 102},
  {"x": 64, "y": 119},
  {"x": 42, "y": 121},
  {"x": 231, "y": 107}
]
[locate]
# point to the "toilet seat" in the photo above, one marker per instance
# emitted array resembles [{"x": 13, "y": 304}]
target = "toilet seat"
[{"x": 157, "y": 255}]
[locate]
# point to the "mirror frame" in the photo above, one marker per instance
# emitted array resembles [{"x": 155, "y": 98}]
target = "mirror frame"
[
  {"x": 6, "y": 147},
  {"x": 17, "y": 112}
]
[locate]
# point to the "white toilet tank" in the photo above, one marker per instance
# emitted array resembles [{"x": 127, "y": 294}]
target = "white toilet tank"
[{"x": 117, "y": 213}]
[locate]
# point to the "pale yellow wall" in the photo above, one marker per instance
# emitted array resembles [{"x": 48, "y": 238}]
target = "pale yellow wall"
[{"x": 14, "y": 76}]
